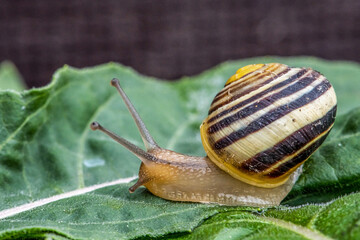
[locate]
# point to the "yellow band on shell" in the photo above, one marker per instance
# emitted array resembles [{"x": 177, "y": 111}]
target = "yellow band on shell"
[{"x": 243, "y": 71}]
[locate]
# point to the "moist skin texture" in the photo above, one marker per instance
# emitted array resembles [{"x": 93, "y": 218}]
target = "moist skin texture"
[{"x": 197, "y": 179}]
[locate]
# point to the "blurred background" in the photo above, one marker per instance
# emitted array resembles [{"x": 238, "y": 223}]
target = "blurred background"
[{"x": 170, "y": 39}]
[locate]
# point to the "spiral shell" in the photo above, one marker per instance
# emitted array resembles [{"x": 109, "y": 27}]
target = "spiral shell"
[{"x": 267, "y": 120}]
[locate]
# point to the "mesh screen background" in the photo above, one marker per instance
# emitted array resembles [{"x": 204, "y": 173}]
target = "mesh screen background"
[{"x": 169, "y": 39}]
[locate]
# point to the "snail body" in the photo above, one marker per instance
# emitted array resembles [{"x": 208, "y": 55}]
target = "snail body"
[{"x": 261, "y": 127}]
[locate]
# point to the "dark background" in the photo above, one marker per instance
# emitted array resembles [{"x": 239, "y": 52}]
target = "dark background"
[{"x": 169, "y": 39}]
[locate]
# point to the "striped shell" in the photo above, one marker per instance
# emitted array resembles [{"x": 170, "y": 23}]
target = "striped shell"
[{"x": 267, "y": 120}]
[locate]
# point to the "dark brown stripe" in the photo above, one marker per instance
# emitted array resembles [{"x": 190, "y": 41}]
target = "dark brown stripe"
[
  {"x": 225, "y": 89},
  {"x": 290, "y": 145},
  {"x": 273, "y": 115},
  {"x": 261, "y": 104},
  {"x": 262, "y": 72},
  {"x": 236, "y": 87},
  {"x": 284, "y": 168},
  {"x": 259, "y": 95}
]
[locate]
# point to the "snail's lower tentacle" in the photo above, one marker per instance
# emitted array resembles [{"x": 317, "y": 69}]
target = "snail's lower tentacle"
[
  {"x": 145, "y": 157},
  {"x": 143, "y": 179},
  {"x": 135, "y": 186}
]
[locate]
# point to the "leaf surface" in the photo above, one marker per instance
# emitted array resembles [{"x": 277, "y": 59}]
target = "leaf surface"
[
  {"x": 10, "y": 77},
  {"x": 47, "y": 149}
]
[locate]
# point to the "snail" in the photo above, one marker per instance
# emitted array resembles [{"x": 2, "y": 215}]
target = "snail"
[{"x": 261, "y": 127}]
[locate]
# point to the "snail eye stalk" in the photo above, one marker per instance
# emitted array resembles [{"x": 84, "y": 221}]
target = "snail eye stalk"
[
  {"x": 149, "y": 142},
  {"x": 144, "y": 132},
  {"x": 145, "y": 157}
]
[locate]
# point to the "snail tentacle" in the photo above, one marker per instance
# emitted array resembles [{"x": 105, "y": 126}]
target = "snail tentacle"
[
  {"x": 144, "y": 132},
  {"x": 141, "y": 181},
  {"x": 145, "y": 157}
]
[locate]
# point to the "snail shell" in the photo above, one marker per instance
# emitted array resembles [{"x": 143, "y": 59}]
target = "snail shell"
[{"x": 267, "y": 120}]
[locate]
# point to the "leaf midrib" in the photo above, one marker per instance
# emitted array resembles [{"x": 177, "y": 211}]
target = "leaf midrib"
[
  {"x": 303, "y": 231},
  {"x": 41, "y": 202}
]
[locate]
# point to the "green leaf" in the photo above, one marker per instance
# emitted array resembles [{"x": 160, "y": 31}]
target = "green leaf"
[
  {"x": 10, "y": 77},
  {"x": 114, "y": 212},
  {"x": 336, "y": 220},
  {"x": 111, "y": 210},
  {"x": 48, "y": 156}
]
